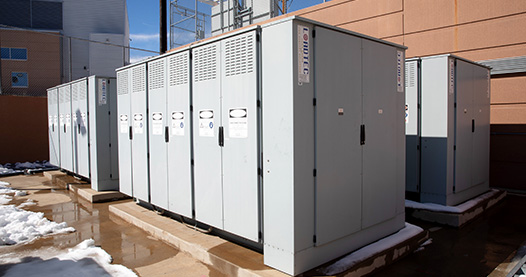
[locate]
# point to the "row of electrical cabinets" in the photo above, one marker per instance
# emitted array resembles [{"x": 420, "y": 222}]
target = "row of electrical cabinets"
[
  {"x": 82, "y": 124},
  {"x": 447, "y": 129},
  {"x": 288, "y": 135}
]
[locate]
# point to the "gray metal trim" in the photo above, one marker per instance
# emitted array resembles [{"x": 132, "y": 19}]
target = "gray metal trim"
[{"x": 506, "y": 65}]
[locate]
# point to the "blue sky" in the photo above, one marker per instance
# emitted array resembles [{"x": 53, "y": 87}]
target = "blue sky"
[{"x": 144, "y": 22}]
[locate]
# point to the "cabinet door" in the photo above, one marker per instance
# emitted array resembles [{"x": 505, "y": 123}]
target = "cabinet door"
[
  {"x": 157, "y": 121},
  {"x": 481, "y": 115},
  {"x": 125, "y": 132},
  {"x": 383, "y": 117},
  {"x": 463, "y": 125},
  {"x": 179, "y": 146},
  {"x": 207, "y": 118},
  {"x": 239, "y": 91},
  {"x": 139, "y": 103},
  {"x": 338, "y": 119}
]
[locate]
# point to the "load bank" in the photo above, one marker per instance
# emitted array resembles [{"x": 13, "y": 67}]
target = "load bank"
[{"x": 289, "y": 135}]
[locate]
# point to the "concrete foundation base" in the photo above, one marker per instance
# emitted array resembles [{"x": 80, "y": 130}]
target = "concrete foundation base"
[
  {"x": 81, "y": 188},
  {"x": 234, "y": 260},
  {"x": 455, "y": 216}
]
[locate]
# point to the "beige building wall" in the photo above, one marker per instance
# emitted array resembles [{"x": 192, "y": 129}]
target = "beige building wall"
[
  {"x": 42, "y": 64},
  {"x": 23, "y": 120},
  {"x": 474, "y": 29}
]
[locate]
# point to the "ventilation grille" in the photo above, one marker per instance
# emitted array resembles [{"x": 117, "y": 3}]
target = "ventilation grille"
[
  {"x": 83, "y": 90},
  {"x": 410, "y": 75},
  {"x": 156, "y": 74},
  {"x": 205, "y": 63},
  {"x": 239, "y": 55},
  {"x": 178, "y": 69},
  {"x": 52, "y": 97},
  {"x": 67, "y": 93},
  {"x": 122, "y": 82},
  {"x": 139, "y": 79},
  {"x": 74, "y": 92}
]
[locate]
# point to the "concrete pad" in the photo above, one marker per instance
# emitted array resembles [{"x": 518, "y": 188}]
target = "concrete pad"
[
  {"x": 455, "y": 216},
  {"x": 52, "y": 175},
  {"x": 234, "y": 260},
  {"x": 93, "y": 196}
]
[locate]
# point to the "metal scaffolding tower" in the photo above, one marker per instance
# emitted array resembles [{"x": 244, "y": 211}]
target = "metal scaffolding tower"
[{"x": 184, "y": 20}]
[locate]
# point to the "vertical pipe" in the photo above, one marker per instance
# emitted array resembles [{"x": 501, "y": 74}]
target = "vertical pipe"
[
  {"x": 162, "y": 26},
  {"x": 70, "y": 60},
  {"x": 196, "y": 32}
]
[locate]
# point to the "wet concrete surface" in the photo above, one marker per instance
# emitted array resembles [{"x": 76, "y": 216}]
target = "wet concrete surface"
[
  {"x": 127, "y": 244},
  {"x": 474, "y": 250}
]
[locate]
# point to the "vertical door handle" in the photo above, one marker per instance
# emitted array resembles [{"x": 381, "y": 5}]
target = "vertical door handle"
[
  {"x": 166, "y": 134},
  {"x": 64, "y": 128},
  {"x": 53, "y": 127},
  {"x": 221, "y": 137},
  {"x": 130, "y": 133},
  {"x": 79, "y": 128},
  {"x": 473, "y": 125},
  {"x": 362, "y": 134}
]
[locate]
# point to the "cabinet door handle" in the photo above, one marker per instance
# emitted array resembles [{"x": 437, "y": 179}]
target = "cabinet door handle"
[
  {"x": 131, "y": 133},
  {"x": 221, "y": 137},
  {"x": 166, "y": 134},
  {"x": 362, "y": 134}
]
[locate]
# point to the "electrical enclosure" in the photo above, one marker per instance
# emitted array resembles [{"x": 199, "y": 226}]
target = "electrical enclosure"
[
  {"x": 454, "y": 124},
  {"x": 53, "y": 126},
  {"x": 333, "y": 114}
]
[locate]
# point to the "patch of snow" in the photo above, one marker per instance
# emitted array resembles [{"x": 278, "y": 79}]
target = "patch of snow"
[
  {"x": 2, "y": 183},
  {"x": 368, "y": 251},
  {"x": 85, "y": 259},
  {"x": 27, "y": 203},
  {"x": 451, "y": 209},
  {"x": 5, "y": 199},
  {"x": 427, "y": 242},
  {"x": 17, "y": 225}
]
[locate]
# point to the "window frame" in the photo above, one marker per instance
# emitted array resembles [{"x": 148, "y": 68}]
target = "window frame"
[{"x": 10, "y": 55}]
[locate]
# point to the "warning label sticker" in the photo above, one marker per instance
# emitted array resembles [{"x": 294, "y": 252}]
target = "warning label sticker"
[
  {"x": 206, "y": 123},
  {"x": 157, "y": 123},
  {"x": 178, "y": 123},
  {"x": 238, "y": 123},
  {"x": 400, "y": 80},
  {"x": 406, "y": 114},
  {"x": 123, "y": 119},
  {"x": 102, "y": 92},
  {"x": 138, "y": 123},
  {"x": 303, "y": 54}
]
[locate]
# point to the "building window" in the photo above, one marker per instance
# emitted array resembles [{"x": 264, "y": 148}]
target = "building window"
[
  {"x": 19, "y": 80},
  {"x": 18, "y": 54}
]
